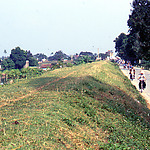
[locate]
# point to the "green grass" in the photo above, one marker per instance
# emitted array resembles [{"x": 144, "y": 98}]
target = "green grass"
[{"x": 90, "y": 106}]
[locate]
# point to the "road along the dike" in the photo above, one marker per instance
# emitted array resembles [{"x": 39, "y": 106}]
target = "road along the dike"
[{"x": 135, "y": 82}]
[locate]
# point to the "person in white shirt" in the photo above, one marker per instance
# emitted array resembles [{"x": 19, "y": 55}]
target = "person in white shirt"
[{"x": 141, "y": 79}]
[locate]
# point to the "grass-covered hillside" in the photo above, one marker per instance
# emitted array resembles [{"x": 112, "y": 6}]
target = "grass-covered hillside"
[{"x": 90, "y": 106}]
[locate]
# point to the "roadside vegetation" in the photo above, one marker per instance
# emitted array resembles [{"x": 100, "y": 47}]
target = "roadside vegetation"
[
  {"x": 88, "y": 106},
  {"x": 14, "y": 75}
]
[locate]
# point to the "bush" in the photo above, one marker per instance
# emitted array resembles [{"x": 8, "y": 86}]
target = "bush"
[
  {"x": 29, "y": 72},
  {"x": 146, "y": 65},
  {"x": 69, "y": 64},
  {"x": 23, "y": 73},
  {"x": 14, "y": 74}
]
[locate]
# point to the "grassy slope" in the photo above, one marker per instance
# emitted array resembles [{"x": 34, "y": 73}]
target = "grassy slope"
[{"x": 90, "y": 106}]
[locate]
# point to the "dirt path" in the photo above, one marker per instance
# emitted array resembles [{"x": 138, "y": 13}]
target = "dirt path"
[
  {"x": 135, "y": 82},
  {"x": 34, "y": 91}
]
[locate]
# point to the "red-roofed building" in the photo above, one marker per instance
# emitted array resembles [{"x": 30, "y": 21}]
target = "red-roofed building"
[{"x": 45, "y": 66}]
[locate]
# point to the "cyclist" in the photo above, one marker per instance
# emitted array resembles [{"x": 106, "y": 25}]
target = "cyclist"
[{"x": 142, "y": 79}]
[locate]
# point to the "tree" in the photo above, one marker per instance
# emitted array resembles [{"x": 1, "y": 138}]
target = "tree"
[
  {"x": 33, "y": 61},
  {"x": 132, "y": 47},
  {"x": 139, "y": 26},
  {"x": 40, "y": 56},
  {"x": 126, "y": 47},
  {"x": 120, "y": 45},
  {"x": 29, "y": 54},
  {"x": 8, "y": 64},
  {"x": 88, "y": 55},
  {"x": 19, "y": 57},
  {"x": 59, "y": 55},
  {"x": 103, "y": 56}
]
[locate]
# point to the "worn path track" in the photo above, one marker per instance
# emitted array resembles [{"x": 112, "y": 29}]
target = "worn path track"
[
  {"x": 34, "y": 91},
  {"x": 135, "y": 82}
]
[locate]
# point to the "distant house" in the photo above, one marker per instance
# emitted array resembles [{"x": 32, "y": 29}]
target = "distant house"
[{"x": 45, "y": 66}]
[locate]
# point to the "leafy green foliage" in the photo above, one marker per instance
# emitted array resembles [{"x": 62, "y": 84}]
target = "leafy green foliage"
[
  {"x": 33, "y": 61},
  {"x": 139, "y": 22},
  {"x": 120, "y": 45},
  {"x": 14, "y": 74},
  {"x": 136, "y": 45},
  {"x": 69, "y": 64},
  {"x": 19, "y": 57},
  {"x": 40, "y": 56},
  {"x": 83, "y": 59},
  {"x": 23, "y": 73},
  {"x": 126, "y": 47},
  {"x": 30, "y": 72},
  {"x": 8, "y": 64},
  {"x": 146, "y": 64},
  {"x": 59, "y": 55}
]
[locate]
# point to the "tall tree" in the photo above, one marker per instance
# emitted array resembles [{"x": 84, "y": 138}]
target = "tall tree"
[
  {"x": 120, "y": 46},
  {"x": 126, "y": 47},
  {"x": 132, "y": 47},
  {"x": 19, "y": 57},
  {"x": 139, "y": 27}
]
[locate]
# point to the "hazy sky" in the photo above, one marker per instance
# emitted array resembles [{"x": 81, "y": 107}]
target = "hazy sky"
[{"x": 45, "y": 26}]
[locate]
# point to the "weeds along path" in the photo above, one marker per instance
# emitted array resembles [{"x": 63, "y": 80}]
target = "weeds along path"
[{"x": 34, "y": 91}]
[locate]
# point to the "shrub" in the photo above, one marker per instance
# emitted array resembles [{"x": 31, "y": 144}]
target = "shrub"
[{"x": 69, "y": 64}]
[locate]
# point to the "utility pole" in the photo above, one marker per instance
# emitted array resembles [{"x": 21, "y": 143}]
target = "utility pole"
[
  {"x": 98, "y": 53},
  {"x": 98, "y": 58}
]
